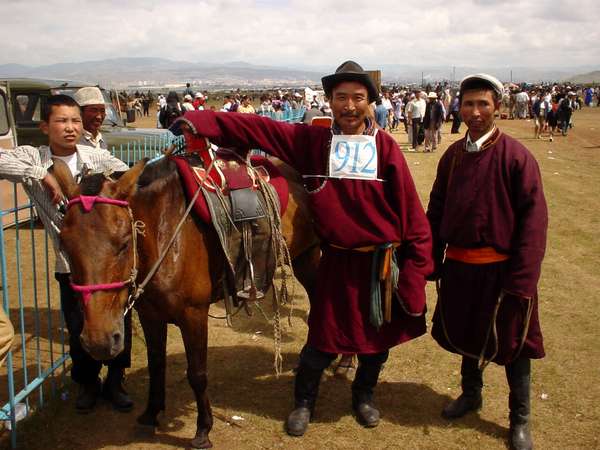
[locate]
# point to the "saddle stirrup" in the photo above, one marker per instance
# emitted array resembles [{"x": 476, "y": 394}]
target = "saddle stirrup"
[{"x": 249, "y": 292}]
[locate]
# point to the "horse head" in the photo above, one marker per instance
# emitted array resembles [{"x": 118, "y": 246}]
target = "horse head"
[{"x": 99, "y": 238}]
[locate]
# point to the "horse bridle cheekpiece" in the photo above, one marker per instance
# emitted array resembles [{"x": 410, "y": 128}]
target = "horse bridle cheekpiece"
[{"x": 137, "y": 227}]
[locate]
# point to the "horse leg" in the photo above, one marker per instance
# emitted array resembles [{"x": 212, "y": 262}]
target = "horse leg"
[
  {"x": 305, "y": 269},
  {"x": 194, "y": 330},
  {"x": 155, "y": 333}
]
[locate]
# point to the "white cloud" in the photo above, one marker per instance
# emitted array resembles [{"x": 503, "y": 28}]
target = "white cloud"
[{"x": 305, "y": 32}]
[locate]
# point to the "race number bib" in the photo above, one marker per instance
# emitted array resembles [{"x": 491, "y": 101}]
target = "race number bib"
[{"x": 353, "y": 156}]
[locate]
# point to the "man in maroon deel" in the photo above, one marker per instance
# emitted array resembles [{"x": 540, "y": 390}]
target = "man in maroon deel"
[
  {"x": 489, "y": 218},
  {"x": 375, "y": 236}
]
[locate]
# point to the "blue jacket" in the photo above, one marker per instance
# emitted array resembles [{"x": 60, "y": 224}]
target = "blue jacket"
[{"x": 381, "y": 114}]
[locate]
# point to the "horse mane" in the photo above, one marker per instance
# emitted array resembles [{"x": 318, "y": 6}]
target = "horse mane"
[
  {"x": 163, "y": 169},
  {"x": 92, "y": 184}
]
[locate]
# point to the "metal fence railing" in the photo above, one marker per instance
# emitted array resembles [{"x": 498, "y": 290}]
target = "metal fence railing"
[
  {"x": 289, "y": 115},
  {"x": 150, "y": 147},
  {"x": 30, "y": 298}
]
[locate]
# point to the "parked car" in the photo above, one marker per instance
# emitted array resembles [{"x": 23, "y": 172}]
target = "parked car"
[
  {"x": 12, "y": 196},
  {"x": 27, "y": 96}
]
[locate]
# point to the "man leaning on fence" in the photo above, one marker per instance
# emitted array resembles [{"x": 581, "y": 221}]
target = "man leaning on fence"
[{"x": 62, "y": 123}]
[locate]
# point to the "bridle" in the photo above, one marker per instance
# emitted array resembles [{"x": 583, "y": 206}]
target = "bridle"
[{"x": 137, "y": 227}]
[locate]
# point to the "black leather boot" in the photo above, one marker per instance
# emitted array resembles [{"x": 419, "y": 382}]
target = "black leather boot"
[
  {"x": 470, "y": 399},
  {"x": 306, "y": 388},
  {"x": 363, "y": 386},
  {"x": 87, "y": 396},
  {"x": 518, "y": 376},
  {"x": 114, "y": 392}
]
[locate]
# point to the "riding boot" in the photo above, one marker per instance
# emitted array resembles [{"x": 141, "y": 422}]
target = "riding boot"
[
  {"x": 363, "y": 386},
  {"x": 470, "y": 399},
  {"x": 306, "y": 388},
  {"x": 87, "y": 396},
  {"x": 114, "y": 392},
  {"x": 518, "y": 376}
]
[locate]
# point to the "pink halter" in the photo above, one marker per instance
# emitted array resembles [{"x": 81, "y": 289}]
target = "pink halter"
[{"x": 88, "y": 202}]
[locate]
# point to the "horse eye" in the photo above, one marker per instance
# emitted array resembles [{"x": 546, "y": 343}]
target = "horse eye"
[{"x": 124, "y": 246}]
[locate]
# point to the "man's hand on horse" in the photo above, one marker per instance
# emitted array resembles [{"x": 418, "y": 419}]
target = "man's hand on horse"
[{"x": 53, "y": 188}]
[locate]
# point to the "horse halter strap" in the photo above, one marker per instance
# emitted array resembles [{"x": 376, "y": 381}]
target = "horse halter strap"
[{"x": 87, "y": 202}]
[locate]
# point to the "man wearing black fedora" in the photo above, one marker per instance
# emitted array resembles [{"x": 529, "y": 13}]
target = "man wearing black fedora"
[{"x": 376, "y": 243}]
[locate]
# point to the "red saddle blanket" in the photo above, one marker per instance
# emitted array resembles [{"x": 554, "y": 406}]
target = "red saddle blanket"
[{"x": 228, "y": 176}]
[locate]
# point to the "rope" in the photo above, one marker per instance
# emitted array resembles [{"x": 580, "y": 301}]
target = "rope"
[
  {"x": 282, "y": 258},
  {"x": 483, "y": 362}
]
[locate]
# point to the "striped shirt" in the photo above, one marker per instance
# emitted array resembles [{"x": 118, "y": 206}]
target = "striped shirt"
[{"x": 29, "y": 165}]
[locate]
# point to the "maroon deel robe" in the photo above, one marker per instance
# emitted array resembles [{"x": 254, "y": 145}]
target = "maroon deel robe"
[
  {"x": 493, "y": 198},
  {"x": 350, "y": 214}
]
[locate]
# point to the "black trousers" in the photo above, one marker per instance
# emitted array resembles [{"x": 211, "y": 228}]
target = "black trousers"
[
  {"x": 416, "y": 124},
  {"x": 86, "y": 369},
  {"x": 318, "y": 360},
  {"x": 455, "y": 122}
]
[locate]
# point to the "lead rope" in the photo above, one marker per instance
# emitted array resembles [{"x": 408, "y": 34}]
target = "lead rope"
[
  {"x": 483, "y": 362},
  {"x": 282, "y": 295}
]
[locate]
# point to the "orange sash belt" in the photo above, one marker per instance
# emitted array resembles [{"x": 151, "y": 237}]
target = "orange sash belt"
[{"x": 484, "y": 255}]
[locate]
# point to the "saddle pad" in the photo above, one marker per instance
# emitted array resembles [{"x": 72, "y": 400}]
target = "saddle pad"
[{"x": 190, "y": 183}]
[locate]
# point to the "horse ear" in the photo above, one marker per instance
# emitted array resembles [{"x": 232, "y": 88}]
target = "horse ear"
[
  {"x": 126, "y": 185},
  {"x": 63, "y": 175}
]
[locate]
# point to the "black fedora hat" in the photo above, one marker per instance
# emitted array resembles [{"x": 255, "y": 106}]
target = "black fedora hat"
[{"x": 350, "y": 71}]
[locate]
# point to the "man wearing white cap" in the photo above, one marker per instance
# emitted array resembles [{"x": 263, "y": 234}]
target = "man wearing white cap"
[
  {"x": 187, "y": 103},
  {"x": 432, "y": 121},
  {"x": 489, "y": 220},
  {"x": 93, "y": 112}
]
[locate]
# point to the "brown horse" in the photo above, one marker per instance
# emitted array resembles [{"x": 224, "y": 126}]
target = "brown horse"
[{"x": 100, "y": 245}]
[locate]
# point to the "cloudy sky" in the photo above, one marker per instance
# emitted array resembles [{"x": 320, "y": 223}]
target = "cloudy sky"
[{"x": 301, "y": 33}]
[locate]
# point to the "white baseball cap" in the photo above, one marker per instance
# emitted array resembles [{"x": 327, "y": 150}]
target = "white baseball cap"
[
  {"x": 490, "y": 80},
  {"x": 89, "y": 96}
]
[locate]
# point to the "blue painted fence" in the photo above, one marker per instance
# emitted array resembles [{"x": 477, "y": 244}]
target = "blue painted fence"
[{"x": 290, "y": 115}]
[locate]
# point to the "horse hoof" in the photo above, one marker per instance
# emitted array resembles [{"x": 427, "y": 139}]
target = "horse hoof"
[
  {"x": 143, "y": 431},
  {"x": 201, "y": 442}
]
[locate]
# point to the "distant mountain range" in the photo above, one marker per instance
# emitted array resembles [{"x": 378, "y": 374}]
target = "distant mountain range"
[
  {"x": 159, "y": 72},
  {"x": 586, "y": 78},
  {"x": 142, "y": 72}
]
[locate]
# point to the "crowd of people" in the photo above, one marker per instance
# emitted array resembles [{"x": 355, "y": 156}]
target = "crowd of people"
[
  {"x": 419, "y": 112},
  {"x": 422, "y": 111}
]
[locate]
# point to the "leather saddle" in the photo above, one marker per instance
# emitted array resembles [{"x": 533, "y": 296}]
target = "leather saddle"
[{"x": 237, "y": 200}]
